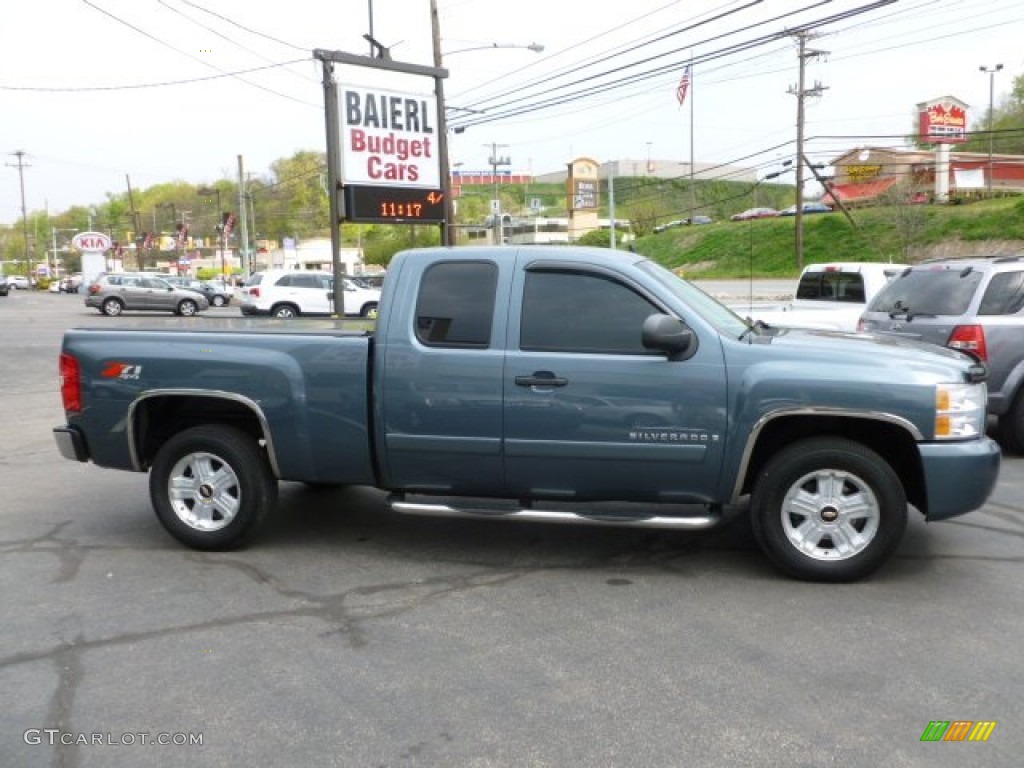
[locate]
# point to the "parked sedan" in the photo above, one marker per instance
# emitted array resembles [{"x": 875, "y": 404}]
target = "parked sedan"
[
  {"x": 4, "y": 285},
  {"x": 755, "y": 213},
  {"x": 113, "y": 293},
  {"x": 18, "y": 281},
  {"x": 808, "y": 208},
  {"x": 215, "y": 293}
]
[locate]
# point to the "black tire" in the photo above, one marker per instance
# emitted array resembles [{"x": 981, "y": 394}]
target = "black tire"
[
  {"x": 212, "y": 487},
  {"x": 369, "y": 310},
  {"x": 218, "y": 301},
  {"x": 112, "y": 307},
  {"x": 828, "y": 509},
  {"x": 187, "y": 308},
  {"x": 285, "y": 311},
  {"x": 1010, "y": 426}
]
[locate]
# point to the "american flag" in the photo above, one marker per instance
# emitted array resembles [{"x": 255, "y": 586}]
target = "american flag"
[{"x": 684, "y": 86}]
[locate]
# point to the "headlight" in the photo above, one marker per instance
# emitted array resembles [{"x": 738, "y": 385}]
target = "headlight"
[{"x": 960, "y": 411}]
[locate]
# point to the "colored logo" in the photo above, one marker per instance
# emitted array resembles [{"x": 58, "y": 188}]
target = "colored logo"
[{"x": 958, "y": 730}]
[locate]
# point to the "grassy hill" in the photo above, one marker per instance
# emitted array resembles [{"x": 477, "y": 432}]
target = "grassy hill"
[
  {"x": 766, "y": 247},
  {"x": 895, "y": 233}
]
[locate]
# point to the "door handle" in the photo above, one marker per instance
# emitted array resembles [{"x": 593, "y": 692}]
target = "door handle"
[{"x": 541, "y": 379}]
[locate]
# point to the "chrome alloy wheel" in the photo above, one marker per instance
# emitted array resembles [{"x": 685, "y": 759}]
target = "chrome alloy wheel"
[
  {"x": 830, "y": 514},
  {"x": 204, "y": 491}
]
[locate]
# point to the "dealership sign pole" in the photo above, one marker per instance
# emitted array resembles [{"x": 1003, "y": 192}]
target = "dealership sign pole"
[{"x": 384, "y": 151}]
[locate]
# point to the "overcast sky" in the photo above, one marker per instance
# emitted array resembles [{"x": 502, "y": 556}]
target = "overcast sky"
[{"x": 98, "y": 93}]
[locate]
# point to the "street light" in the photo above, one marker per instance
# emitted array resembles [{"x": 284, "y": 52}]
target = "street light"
[
  {"x": 991, "y": 72},
  {"x": 535, "y": 47},
  {"x": 447, "y": 228},
  {"x": 206, "y": 192}
]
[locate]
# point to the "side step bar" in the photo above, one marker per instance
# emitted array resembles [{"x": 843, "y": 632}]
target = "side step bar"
[{"x": 529, "y": 514}]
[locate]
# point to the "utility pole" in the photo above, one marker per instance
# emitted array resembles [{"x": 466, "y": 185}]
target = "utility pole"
[
  {"x": 243, "y": 219},
  {"x": 802, "y": 92},
  {"x": 448, "y": 225},
  {"x": 21, "y": 166},
  {"x": 991, "y": 71},
  {"x": 136, "y": 224},
  {"x": 495, "y": 161}
]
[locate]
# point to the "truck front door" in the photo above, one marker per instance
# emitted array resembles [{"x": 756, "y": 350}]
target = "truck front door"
[{"x": 589, "y": 412}]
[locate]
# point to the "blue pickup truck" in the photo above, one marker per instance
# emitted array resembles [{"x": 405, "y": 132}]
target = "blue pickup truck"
[{"x": 552, "y": 384}]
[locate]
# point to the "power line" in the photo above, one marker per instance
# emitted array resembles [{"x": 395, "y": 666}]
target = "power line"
[
  {"x": 136, "y": 86},
  {"x": 590, "y": 90},
  {"x": 146, "y": 34}
]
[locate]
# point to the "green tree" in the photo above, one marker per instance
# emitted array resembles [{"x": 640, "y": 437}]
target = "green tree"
[{"x": 303, "y": 208}]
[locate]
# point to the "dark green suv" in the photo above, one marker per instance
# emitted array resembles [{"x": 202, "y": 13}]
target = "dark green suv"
[{"x": 974, "y": 305}]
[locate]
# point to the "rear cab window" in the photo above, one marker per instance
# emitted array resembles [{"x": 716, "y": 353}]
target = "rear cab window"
[
  {"x": 831, "y": 286},
  {"x": 456, "y": 302}
]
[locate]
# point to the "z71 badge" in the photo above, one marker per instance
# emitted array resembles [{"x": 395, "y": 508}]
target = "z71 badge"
[{"x": 121, "y": 371}]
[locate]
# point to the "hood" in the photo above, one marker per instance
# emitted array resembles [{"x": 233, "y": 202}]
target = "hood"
[{"x": 867, "y": 352}]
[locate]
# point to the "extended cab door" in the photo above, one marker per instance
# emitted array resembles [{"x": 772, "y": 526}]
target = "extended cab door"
[
  {"x": 588, "y": 411},
  {"x": 439, "y": 377}
]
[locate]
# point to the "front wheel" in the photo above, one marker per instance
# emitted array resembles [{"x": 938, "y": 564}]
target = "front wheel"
[
  {"x": 217, "y": 301},
  {"x": 212, "y": 487},
  {"x": 828, "y": 509},
  {"x": 369, "y": 311}
]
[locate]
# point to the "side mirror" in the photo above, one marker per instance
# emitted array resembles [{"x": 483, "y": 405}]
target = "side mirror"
[{"x": 670, "y": 335}]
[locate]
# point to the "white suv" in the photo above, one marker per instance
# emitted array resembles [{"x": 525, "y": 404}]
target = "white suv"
[{"x": 290, "y": 293}]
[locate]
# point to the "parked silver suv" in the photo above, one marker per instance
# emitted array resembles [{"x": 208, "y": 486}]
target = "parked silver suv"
[
  {"x": 974, "y": 305},
  {"x": 114, "y": 292}
]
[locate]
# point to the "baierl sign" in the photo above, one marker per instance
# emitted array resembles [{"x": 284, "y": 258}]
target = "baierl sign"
[{"x": 389, "y": 138}]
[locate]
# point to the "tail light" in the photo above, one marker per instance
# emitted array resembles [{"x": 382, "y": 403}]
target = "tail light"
[
  {"x": 94, "y": 288},
  {"x": 70, "y": 383},
  {"x": 254, "y": 291},
  {"x": 969, "y": 339}
]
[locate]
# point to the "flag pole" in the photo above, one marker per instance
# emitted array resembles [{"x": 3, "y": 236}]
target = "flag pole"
[{"x": 693, "y": 191}]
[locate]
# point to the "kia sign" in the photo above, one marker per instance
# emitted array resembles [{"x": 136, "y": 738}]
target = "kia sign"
[
  {"x": 389, "y": 139},
  {"x": 91, "y": 242}
]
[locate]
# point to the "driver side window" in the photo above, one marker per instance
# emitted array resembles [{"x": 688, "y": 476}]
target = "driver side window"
[{"x": 567, "y": 311}]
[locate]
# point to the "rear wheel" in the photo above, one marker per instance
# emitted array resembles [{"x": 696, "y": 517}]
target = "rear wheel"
[
  {"x": 285, "y": 310},
  {"x": 1011, "y": 426},
  {"x": 187, "y": 308},
  {"x": 217, "y": 301},
  {"x": 212, "y": 487},
  {"x": 828, "y": 509},
  {"x": 112, "y": 307}
]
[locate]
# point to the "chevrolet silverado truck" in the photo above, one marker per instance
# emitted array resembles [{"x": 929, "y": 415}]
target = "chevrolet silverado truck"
[
  {"x": 548, "y": 384},
  {"x": 829, "y": 297}
]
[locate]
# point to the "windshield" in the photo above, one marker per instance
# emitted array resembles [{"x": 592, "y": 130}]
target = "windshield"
[
  {"x": 936, "y": 290},
  {"x": 724, "y": 320}
]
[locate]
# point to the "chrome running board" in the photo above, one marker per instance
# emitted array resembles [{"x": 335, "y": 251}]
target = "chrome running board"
[{"x": 529, "y": 514}]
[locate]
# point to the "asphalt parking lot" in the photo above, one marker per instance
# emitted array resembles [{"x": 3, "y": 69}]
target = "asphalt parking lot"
[{"x": 349, "y": 636}]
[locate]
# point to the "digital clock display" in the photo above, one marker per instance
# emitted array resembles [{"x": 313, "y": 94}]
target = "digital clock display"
[{"x": 383, "y": 205}]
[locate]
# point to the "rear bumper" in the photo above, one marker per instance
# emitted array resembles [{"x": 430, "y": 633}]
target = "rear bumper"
[
  {"x": 959, "y": 477},
  {"x": 71, "y": 443}
]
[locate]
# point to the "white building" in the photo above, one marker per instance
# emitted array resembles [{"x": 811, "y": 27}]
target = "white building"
[{"x": 314, "y": 253}]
